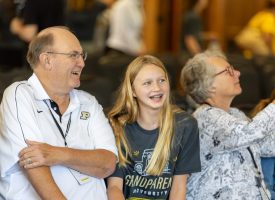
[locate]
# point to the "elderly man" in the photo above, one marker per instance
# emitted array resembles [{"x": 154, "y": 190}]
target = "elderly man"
[{"x": 55, "y": 142}]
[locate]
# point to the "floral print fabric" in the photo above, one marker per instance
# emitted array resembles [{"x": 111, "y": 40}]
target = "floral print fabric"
[{"x": 228, "y": 171}]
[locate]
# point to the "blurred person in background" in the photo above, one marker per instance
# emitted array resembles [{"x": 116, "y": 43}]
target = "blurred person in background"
[
  {"x": 126, "y": 28},
  {"x": 258, "y": 36},
  {"x": 98, "y": 8},
  {"x": 194, "y": 37},
  {"x": 100, "y": 23},
  {"x": 7, "y": 12},
  {"x": 35, "y": 15}
]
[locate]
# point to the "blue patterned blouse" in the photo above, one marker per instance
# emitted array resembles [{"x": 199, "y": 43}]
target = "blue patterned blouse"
[{"x": 231, "y": 146}]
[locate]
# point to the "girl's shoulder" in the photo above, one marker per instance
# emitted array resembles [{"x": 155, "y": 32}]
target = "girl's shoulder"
[{"x": 184, "y": 117}]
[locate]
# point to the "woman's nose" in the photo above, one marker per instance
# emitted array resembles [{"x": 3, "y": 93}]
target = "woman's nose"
[{"x": 237, "y": 73}]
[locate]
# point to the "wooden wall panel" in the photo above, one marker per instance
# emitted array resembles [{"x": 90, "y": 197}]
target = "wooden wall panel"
[
  {"x": 157, "y": 29},
  {"x": 226, "y": 17},
  {"x": 214, "y": 18},
  {"x": 151, "y": 25},
  {"x": 177, "y": 10},
  {"x": 237, "y": 14}
]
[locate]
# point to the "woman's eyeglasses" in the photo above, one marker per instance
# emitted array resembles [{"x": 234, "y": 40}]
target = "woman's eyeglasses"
[{"x": 230, "y": 69}]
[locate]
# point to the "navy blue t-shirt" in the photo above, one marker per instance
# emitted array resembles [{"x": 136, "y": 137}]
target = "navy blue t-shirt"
[{"x": 184, "y": 159}]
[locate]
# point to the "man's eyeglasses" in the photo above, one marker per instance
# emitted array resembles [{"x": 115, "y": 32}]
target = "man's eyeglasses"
[
  {"x": 230, "y": 69},
  {"x": 74, "y": 55}
]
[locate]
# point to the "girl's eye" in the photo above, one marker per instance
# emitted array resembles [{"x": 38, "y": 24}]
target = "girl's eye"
[
  {"x": 162, "y": 80},
  {"x": 147, "y": 83}
]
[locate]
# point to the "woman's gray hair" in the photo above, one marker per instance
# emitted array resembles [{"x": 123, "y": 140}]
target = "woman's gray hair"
[{"x": 197, "y": 75}]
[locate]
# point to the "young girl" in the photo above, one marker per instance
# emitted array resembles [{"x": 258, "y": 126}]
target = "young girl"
[{"x": 158, "y": 146}]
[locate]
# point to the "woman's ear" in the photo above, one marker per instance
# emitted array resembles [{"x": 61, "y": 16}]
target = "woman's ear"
[{"x": 212, "y": 89}]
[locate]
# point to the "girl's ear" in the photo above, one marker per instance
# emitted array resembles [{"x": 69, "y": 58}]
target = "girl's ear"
[{"x": 134, "y": 93}]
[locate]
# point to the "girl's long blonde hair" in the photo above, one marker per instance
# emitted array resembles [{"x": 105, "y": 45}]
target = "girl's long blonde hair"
[{"x": 126, "y": 110}]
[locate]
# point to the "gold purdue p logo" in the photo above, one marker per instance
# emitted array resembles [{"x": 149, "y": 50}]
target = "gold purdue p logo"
[{"x": 84, "y": 115}]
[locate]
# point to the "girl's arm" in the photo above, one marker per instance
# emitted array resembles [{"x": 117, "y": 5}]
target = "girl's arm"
[
  {"x": 178, "y": 190},
  {"x": 115, "y": 187}
]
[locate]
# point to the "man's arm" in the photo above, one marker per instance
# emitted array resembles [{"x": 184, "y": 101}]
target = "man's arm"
[
  {"x": 99, "y": 163},
  {"x": 41, "y": 176}
]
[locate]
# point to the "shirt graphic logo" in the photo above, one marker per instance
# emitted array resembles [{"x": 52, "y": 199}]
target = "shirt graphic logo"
[
  {"x": 84, "y": 115},
  {"x": 135, "y": 153},
  {"x": 141, "y": 165}
]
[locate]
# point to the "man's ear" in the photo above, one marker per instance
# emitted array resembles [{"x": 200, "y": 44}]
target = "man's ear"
[{"x": 45, "y": 60}]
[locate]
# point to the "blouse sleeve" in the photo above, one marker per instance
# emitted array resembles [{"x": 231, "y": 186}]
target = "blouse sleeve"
[
  {"x": 267, "y": 146},
  {"x": 226, "y": 131}
]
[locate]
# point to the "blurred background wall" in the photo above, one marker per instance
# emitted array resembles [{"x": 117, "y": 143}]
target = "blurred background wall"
[{"x": 162, "y": 34}]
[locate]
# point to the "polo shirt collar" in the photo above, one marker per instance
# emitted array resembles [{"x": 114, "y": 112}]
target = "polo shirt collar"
[
  {"x": 41, "y": 94},
  {"x": 39, "y": 91}
]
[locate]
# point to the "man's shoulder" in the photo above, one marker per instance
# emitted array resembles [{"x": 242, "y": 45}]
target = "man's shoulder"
[
  {"x": 17, "y": 87},
  {"x": 84, "y": 97}
]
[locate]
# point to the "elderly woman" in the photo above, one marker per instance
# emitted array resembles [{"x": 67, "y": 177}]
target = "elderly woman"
[{"x": 231, "y": 143}]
